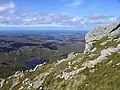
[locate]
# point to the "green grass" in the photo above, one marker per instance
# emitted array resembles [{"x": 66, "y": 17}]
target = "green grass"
[{"x": 105, "y": 76}]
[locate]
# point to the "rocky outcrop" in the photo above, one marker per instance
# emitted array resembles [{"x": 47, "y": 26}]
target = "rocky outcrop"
[
  {"x": 103, "y": 56},
  {"x": 70, "y": 56},
  {"x": 100, "y": 32}
]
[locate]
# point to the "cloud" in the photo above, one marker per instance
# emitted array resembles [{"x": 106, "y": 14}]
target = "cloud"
[
  {"x": 39, "y": 19},
  {"x": 98, "y": 19},
  {"x": 26, "y": 18},
  {"x": 54, "y": 20},
  {"x": 75, "y": 3},
  {"x": 7, "y": 8},
  {"x": 34, "y": 26},
  {"x": 97, "y": 16}
]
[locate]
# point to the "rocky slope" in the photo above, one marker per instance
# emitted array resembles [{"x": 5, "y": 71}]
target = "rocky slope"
[{"x": 98, "y": 68}]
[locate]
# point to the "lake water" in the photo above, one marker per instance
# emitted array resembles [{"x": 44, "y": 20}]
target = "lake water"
[{"x": 31, "y": 64}]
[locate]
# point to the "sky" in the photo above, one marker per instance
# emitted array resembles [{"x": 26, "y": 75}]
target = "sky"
[{"x": 84, "y": 14}]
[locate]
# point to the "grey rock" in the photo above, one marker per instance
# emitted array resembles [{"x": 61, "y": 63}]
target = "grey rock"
[
  {"x": 88, "y": 47},
  {"x": 100, "y": 32},
  {"x": 92, "y": 55},
  {"x": 14, "y": 83},
  {"x": 110, "y": 62},
  {"x": 70, "y": 57},
  {"x": 93, "y": 50},
  {"x": 118, "y": 39},
  {"x": 2, "y": 82},
  {"x": 104, "y": 55},
  {"x": 37, "y": 83}
]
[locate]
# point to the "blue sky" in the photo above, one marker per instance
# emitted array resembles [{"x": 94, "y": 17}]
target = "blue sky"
[{"x": 58, "y": 13}]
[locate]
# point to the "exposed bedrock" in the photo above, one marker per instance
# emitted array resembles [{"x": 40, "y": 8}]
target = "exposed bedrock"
[{"x": 100, "y": 32}]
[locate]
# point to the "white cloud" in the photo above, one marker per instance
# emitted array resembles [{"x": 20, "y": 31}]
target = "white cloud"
[
  {"x": 55, "y": 20},
  {"x": 75, "y": 3},
  {"x": 75, "y": 19},
  {"x": 28, "y": 19},
  {"x": 96, "y": 16},
  {"x": 101, "y": 19},
  {"x": 52, "y": 19},
  {"x": 10, "y": 7},
  {"x": 36, "y": 25}
]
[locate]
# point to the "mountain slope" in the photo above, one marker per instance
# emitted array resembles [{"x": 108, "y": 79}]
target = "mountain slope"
[{"x": 98, "y": 68}]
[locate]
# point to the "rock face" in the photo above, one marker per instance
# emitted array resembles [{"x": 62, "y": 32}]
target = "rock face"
[
  {"x": 98, "y": 69},
  {"x": 1, "y": 82},
  {"x": 100, "y": 32}
]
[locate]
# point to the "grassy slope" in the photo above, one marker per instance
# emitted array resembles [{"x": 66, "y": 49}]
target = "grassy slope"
[{"x": 103, "y": 76}]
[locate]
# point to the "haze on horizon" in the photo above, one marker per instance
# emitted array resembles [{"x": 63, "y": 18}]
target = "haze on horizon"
[{"x": 84, "y": 14}]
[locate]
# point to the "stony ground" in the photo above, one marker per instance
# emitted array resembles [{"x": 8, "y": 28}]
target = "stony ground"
[{"x": 97, "y": 69}]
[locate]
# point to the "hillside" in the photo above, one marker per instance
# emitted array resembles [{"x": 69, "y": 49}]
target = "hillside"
[{"x": 98, "y": 68}]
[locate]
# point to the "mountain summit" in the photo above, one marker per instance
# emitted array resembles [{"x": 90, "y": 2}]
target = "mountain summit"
[{"x": 98, "y": 68}]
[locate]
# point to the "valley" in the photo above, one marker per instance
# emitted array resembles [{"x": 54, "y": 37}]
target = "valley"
[{"x": 17, "y": 48}]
